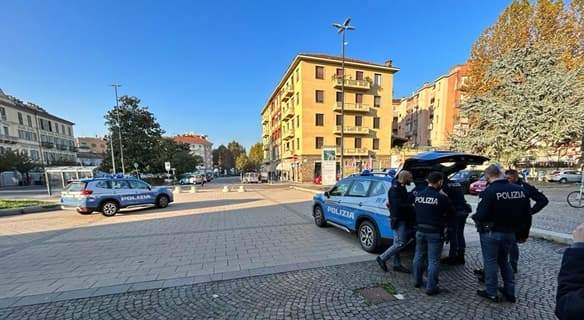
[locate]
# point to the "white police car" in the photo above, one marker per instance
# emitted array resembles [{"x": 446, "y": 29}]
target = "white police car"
[
  {"x": 358, "y": 203},
  {"x": 108, "y": 195}
]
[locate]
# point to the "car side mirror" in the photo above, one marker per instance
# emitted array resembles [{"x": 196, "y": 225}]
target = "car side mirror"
[
  {"x": 327, "y": 194},
  {"x": 149, "y": 187}
]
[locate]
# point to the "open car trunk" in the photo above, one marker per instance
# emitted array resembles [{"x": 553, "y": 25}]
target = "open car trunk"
[{"x": 446, "y": 162}]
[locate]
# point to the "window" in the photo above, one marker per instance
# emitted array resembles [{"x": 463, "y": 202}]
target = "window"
[
  {"x": 339, "y": 72},
  {"x": 63, "y": 129},
  {"x": 357, "y": 143},
  {"x": 297, "y": 98},
  {"x": 319, "y": 119},
  {"x": 319, "y": 72},
  {"x": 6, "y": 132},
  {"x": 120, "y": 184},
  {"x": 377, "y": 101},
  {"x": 358, "y": 121},
  {"x": 297, "y": 77},
  {"x": 297, "y": 121},
  {"x": 339, "y": 120},
  {"x": 377, "y": 80},
  {"x": 359, "y": 188},
  {"x": 20, "y": 121},
  {"x": 359, "y": 75},
  {"x": 375, "y": 144},
  {"x": 57, "y": 128},
  {"x": 340, "y": 188},
  {"x": 375, "y": 122},
  {"x": 50, "y": 126},
  {"x": 319, "y": 96},
  {"x": 378, "y": 189},
  {"x": 69, "y": 131},
  {"x": 298, "y": 142},
  {"x": 104, "y": 184},
  {"x": 29, "y": 120},
  {"x": 3, "y": 113},
  {"x": 338, "y": 141},
  {"x": 319, "y": 142},
  {"x": 358, "y": 98},
  {"x": 339, "y": 96}
]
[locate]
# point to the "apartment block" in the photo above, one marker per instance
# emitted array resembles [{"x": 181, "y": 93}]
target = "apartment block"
[
  {"x": 199, "y": 145},
  {"x": 303, "y": 115},
  {"x": 30, "y": 129},
  {"x": 431, "y": 115},
  {"x": 91, "y": 150}
]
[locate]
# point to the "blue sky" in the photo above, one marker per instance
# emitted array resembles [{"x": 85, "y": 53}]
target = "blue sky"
[{"x": 209, "y": 66}]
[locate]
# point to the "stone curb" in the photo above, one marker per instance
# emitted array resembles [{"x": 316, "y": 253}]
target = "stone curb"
[
  {"x": 536, "y": 233},
  {"x": 11, "y": 302},
  {"x": 27, "y": 210}
]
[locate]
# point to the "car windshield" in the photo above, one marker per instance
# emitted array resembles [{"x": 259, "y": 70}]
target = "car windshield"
[
  {"x": 460, "y": 175},
  {"x": 75, "y": 186}
]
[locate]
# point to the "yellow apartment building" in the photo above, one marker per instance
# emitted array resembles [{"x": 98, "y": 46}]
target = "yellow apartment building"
[
  {"x": 430, "y": 115},
  {"x": 303, "y": 115}
]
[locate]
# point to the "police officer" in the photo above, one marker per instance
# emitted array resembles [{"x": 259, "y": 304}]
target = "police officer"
[
  {"x": 401, "y": 212},
  {"x": 433, "y": 210},
  {"x": 503, "y": 209},
  {"x": 540, "y": 202},
  {"x": 456, "y": 223},
  {"x": 570, "y": 295}
]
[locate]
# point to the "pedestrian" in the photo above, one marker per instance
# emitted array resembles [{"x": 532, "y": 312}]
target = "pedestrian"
[
  {"x": 433, "y": 210},
  {"x": 503, "y": 210},
  {"x": 570, "y": 295},
  {"x": 456, "y": 223},
  {"x": 540, "y": 202},
  {"x": 402, "y": 219},
  {"x": 525, "y": 173}
]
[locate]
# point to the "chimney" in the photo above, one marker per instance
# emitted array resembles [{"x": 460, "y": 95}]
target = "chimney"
[{"x": 388, "y": 63}]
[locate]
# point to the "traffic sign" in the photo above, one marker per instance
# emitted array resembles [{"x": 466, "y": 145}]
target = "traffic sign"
[{"x": 167, "y": 166}]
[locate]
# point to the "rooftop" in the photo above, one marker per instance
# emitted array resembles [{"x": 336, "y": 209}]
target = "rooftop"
[
  {"x": 192, "y": 139},
  {"x": 30, "y": 107}
]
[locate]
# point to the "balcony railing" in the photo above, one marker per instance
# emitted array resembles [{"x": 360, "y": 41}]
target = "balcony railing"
[
  {"x": 8, "y": 139},
  {"x": 288, "y": 134},
  {"x": 46, "y": 144},
  {"x": 62, "y": 147},
  {"x": 287, "y": 92},
  {"x": 73, "y": 149},
  {"x": 265, "y": 120},
  {"x": 355, "y": 107},
  {"x": 288, "y": 113},
  {"x": 265, "y": 133},
  {"x": 351, "y": 83},
  {"x": 352, "y": 130}
]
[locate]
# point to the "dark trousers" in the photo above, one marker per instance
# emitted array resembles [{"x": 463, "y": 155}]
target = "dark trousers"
[
  {"x": 514, "y": 255},
  {"x": 428, "y": 251},
  {"x": 456, "y": 236},
  {"x": 495, "y": 247}
]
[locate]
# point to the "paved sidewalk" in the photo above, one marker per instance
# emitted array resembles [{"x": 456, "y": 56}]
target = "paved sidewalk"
[{"x": 325, "y": 293}]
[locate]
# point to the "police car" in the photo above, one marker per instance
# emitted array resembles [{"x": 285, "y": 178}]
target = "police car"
[
  {"x": 358, "y": 203},
  {"x": 108, "y": 195}
]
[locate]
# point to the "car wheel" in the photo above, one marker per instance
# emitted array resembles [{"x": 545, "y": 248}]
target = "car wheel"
[
  {"x": 368, "y": 236},
  {"x": 162, "y": 201},
  {"x": 318, "y": 215},
  {"x": 88, "y": 212},
  {"x": 109, "y": 208},
  {"x": 563, "y": 180}
]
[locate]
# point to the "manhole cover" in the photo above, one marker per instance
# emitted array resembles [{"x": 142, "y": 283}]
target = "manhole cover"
[{"x": 375, "y": 295}]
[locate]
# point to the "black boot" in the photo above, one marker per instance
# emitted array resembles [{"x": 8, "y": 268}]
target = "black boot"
[{"x": 381, "y": 264}]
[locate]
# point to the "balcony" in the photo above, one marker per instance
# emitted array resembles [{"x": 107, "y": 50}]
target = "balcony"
[
  {"x": 354, "y": 107},
  {"x": 288, "y": 113},
  {"x": 73, "y": 149},
  {"x": 351, "y": 84},
  {"x": 266, "y": 146},
  {"x": 288, "y": 134},
  {"x": 61, "y": 147},
  {"x": 265, "y": 120},
  {"x": 8, "y": 139},
  {"x": 46, "y": 144},
  {"x": 352, "y": 130},
  {"x": 287, "y": 93},
  {"x": 288, "y": 154},
  {"x": 265, "y": 133}
]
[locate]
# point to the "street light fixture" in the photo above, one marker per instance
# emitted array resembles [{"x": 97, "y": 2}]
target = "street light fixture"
[
  {"x": 116, "y": 86},
  {"x": 341, "y": 28}
]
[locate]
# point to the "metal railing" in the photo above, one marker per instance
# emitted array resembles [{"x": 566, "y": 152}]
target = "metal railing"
[
  {"x": 349, "y": 106},
  {"x": 353, "y": 130},
  {"x": 352, "y": 83}
]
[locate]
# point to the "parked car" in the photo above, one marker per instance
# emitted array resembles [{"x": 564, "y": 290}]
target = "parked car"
[
  {"x": 478, "y": 186},
  {"x": 250, "y": 177},
  {"x": 108, "y": 195},
  {"x": 264, "y": 177},
  {"x": 466, "y": 178},
  {"x": 191, "y": 179},
  {"x": 358, "y": 203},
  {"x": 564, "y": 176}
]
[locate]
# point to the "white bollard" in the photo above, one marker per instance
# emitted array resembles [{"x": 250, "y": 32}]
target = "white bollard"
[
  {"x": 176, "y": 189},
  {"x": 241, "y": 189},
  {"x": 226, "y": 188},
  {"x": 193, "y": 189}
]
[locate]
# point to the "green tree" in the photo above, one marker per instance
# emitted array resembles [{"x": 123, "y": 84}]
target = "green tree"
[
  {"x": 18, "y": 161},
  {"x": 535, "y": 102},
  {"x": 223, "y": 158},
  {"x": 256, "y": 155},
  {"x": 235, "y": 148},
  {"x": 179, "y": 156},
  {"x": 141, "y": 135},
  {"x": 243, "y": 163}
]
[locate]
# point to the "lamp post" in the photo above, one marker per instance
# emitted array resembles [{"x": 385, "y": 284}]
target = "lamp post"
[
  {"x": 116, "y": 86},
  {"x": 341, "y": 28}
]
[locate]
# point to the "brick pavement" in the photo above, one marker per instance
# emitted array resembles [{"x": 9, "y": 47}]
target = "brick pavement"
[{"x": 324, "y": 293}]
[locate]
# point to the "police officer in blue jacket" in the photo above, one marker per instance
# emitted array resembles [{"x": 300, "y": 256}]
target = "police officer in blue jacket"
[
  {"x": 456, "y": 223},
  {"x": 570, "y": 295},
  {"x": 433, "y": 209},
  {"x": 502, "y": 211},
  {"x": 540, "y": 202}
]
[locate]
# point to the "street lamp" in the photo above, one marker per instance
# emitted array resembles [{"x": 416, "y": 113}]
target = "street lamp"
[
  {"x": 116, "y": 86},
  {"x": 341, "y": 28}
]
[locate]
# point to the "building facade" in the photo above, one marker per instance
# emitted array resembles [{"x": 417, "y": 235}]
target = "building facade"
[
  {"x": 430, "y": 116},
  {"x": 91, "y": 150},
  {"x": 303, "y": 115},
  {"x": 199, "y": 146},
  {"x": 30, "y": 129}
]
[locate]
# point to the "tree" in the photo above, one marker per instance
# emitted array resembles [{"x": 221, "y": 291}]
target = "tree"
[
  {"x": 179, "y": 156},
  {"x": 18, "y": 161},
  {"x": 243, "y": 163},
  {"x": 235, "y": 148},
  {"x": 256, "y": 155},
  {"x": 534, "y": 101},
  {"x": 140, "y": 132},
  {"x": 223, "y": 158}
]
